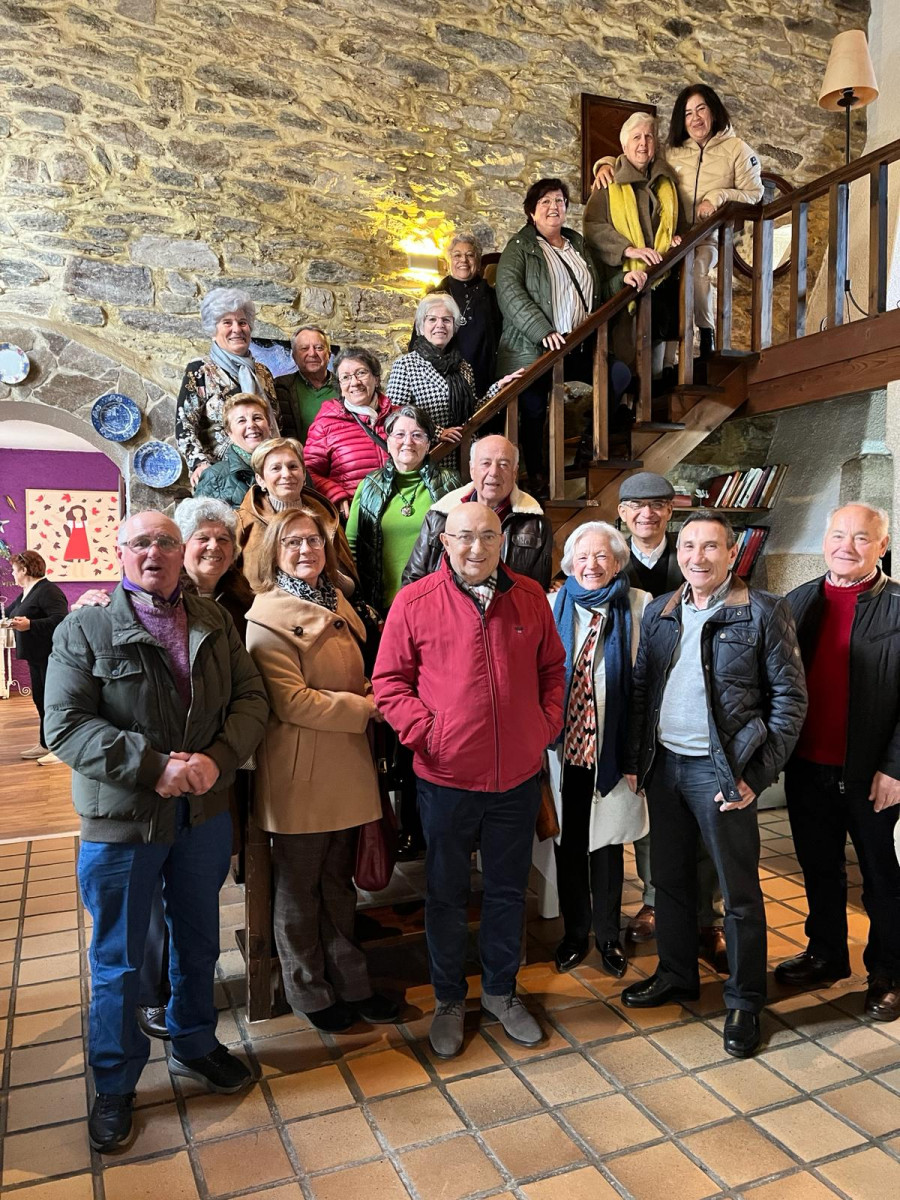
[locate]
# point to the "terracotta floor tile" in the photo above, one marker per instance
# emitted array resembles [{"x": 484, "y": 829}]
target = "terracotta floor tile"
[
  {"x": 154, "y": 1085},
  {"x": 26, "y": 1158},
  {"x": 652, "y": 1018},
  {"x": 800, "y": 1186},
  {"x": 611, "y": 1123},
  {"x": 737, "y": 1152},
  {"x": 661, "y": 1173},
  {"x": 748, "y": 1084},
  {"x": 241, "y": 1162},
  {"x": 42, "y": 970},
  {"x": 36, "y": 905},
  {"x": 76, "y": 1187},
  {"x": 808, "y": 1131},
  {"x": 53, "y": 1026},
  {"x": 565, "y": 1077},
  {"x": 287, "y": 1023},
  {"x": 59, "y": 993},
  {"x": 693, "y": 1045},
  {"x": 211, "y": 1116},
  {"x": 868, "y": 1105},
  {"x": 65, "y": 868},
  {"x": 333, "y": 1140},
  {"x": 40, "y": 1064},
  {"x": 591, "y": 1022},
  {"x": 56, "y": 922},
  {"x": 291, "y": 1052},
  {"x": 681, "y": 1103},
  {"x": 157, "y": 1127},
  {"x": 287, "y": 1191},
  {"x": 584, "y": 1183},
  {"x": 550, "y": 988},
  {"x": 477, "y": 1054},
  {"x": 870, "y": 1175},
  {"x": 388, "y": 1071},
  {"x": 496, "y": 1096},
  {"x": 633, "y": 1060},
  {"x": 47, "y": 1104},
  {"x": 310, "y": 1092},
  {"x": 552, "y": 1042},
  {"x": 170, "y": 1178},
  {"x": 868, "y": 1048},
  {"x": 810, "y": 1016},
  {"x": 431, "y": 1174},
  {"x": 374, "y": 1181},
  {"x": 51, "y": 887},
  {"x": 808, "y": 1066},
  {"x": 891, "y": 1078},
  {"x": 532, "y": 1146},
  {"x": 417, "y": 1116}
]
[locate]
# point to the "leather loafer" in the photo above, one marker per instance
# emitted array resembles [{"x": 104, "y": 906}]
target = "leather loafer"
[
  {"x": 742, "y": 1033},
  {"x": 712, "y": 948},
  {"x": 110, "y": 1125},
  {"x": 612, "y": 958},
  {"x": 152, "y": 1020},
  {"x": 653, "y": 993},
  {"x": 883, "y": 999},
  {"x": 642, "y": 926},
  {"x": 569, "y": 955},
  {"x": 807, "y": 970}
]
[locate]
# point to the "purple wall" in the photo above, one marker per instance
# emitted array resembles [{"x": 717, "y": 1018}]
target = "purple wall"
[{"x": 21, "y": 469}]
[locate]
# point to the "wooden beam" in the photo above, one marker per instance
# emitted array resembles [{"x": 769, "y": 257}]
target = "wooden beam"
[
  {"x": 837, "y": 253},
  {"x": 685, "y": 322},
  {"x": 557, "y": 433},
  {"x": 725, "y": 286},
  {"x": 763, "y": 281},
  {"x": 799, "y": 253},
  {"x": 825, "y": 382},
  {"x": 878, "y": 214},
  {"x": 828, "y": 348},
  {"x": 600, "y": 410},
  {"x": 846, "y": 174},
  {"x": 642, "y": 355}
]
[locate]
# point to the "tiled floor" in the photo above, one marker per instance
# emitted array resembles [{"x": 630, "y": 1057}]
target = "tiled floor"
[{"x": 613, "y": 1103}]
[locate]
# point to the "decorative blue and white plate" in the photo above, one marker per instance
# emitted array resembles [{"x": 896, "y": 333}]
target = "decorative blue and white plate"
[
  {"x": 116, "y": 417},
  {"x": 157, "y": 464},
  {"x": 14, "y": 363}
]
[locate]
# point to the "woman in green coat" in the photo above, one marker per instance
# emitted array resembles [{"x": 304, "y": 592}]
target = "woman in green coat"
[{"x": 246, "y": 421}]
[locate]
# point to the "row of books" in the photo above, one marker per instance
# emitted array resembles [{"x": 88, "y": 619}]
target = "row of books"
[
  {"x": 750, "y": 543},
  {"x": 756, "y": 487}
]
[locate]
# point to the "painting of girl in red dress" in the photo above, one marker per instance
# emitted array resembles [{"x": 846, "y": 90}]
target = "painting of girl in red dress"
[{"x": 77, "y": 549}]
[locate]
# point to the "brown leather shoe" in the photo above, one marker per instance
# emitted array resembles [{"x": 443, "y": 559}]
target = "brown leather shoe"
[
  {"x": 642, "y": 926},
  {"x": 883, "y": 1000},
  {"x": 712, "y": 948}
]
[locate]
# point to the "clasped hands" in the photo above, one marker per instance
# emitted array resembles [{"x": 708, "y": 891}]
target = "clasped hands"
[
  {"x": 747, "y": 794},
  {"x": 187, "y": 774}
]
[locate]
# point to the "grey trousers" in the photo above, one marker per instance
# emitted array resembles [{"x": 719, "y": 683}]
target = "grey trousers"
[
  {"x": 313, "y": 909},
  {"x": 710, "y": 909}
]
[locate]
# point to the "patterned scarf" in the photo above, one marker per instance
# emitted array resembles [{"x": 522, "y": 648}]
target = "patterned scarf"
[
  {"x": 617, "y": 660},
  {"x": 325, "y": 594},
  {"x": 448, "y": 364},
  {"x": 238, "y": 366}
]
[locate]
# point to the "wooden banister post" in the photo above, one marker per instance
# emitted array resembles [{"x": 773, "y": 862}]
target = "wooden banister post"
[
  {"x": 725, "y": 286},
  {"x": 557, "y": 433},
  {"x": 799, "y": 252},
  {"x": 643, "y": 356},
  {"x": 878, "y": 212},
  {"x": 761, "y": 327},
  {"x": 686, "y": 321},
  {"x": 601, "y": 395},
  {"x": 465, "y": 445},
  {"x": 837, "y": 252},
  {"x": 512, "y": 421}
]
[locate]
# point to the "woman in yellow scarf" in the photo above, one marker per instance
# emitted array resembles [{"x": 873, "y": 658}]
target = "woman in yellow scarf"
[{"x": 633, "y": 223}]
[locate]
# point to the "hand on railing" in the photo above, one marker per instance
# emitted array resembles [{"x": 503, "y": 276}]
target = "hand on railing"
[
  {"x": 510, "y": 377},
  {"x": 635, "y": 279},
  {"x": 646, "y": 253},
  {"x": 452, "y": 434},
  {"x": 553, "y": 341},
  {"x": 704, "y": 210}
]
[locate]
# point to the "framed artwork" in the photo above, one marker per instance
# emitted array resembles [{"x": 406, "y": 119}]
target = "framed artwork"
[
  {"x": 74, "y": 532},
  {"x": 601, "y": 119}
]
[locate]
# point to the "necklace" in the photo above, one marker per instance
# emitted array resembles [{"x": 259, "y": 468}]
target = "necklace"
[
  {"x": 409, "y": 499},
  {"x": 464, "y": 315}
]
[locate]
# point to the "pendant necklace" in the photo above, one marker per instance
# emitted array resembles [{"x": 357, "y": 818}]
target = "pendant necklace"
[
  {"x": 409, "y": 500},
  {"x": 464, "y": 315}
]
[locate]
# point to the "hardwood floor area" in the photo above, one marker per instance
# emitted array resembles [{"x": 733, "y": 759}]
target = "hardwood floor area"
[{"x": 34, "y": 801}]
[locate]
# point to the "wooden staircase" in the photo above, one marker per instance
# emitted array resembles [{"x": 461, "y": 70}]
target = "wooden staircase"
[{"x": 846, "y": 356}]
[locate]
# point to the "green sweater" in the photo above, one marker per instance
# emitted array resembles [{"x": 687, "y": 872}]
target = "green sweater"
[{"x": 304, "y": 400}]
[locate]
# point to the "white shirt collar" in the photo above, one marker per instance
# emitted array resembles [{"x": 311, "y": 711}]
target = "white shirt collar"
[{"x": 651, "y": 559}]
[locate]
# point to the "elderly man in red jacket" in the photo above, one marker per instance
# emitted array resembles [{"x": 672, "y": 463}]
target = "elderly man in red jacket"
[{"x": 471, "y": 675}]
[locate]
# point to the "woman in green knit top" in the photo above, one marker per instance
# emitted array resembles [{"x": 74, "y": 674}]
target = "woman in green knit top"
[{"x": 390, "y": 505}]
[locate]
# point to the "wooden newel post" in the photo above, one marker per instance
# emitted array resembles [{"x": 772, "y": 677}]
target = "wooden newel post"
[
  {"x": 725, "y": 286},
  {"x": 557, "y": 433},
  {"x": 799, "y": 256},
  {"x": 763, "y": 280},
  {"x": 601, "y": 395},
  {"x": 643, "y": 356},
  {"x": 838, "y": 230},
  {"x": 686, "y": 321},
  {"x": 878, "y": 225}
]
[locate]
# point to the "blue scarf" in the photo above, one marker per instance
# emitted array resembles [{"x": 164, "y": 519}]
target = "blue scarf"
[
  {"x": 616, "y": 657},
  {"x": 239, "y": 366}
]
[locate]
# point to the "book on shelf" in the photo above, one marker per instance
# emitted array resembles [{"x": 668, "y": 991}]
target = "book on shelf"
[
  {"x": 749, "y": 546},
  {"x": 755, "y": 487}
]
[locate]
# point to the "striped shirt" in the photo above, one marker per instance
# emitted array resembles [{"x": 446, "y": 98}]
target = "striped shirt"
[{"x": 568, "y": 310}]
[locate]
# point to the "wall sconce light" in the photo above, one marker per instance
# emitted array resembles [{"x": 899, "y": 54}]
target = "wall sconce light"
[{"x": 423, "y": 257}]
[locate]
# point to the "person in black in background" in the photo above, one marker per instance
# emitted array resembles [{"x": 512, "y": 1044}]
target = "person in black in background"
[
  {"x": 34, "y": 615},
  {"x": 645, "y": 505}
]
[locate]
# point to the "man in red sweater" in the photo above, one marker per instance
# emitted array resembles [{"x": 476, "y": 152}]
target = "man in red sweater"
[{"x": 844, "y": 776}]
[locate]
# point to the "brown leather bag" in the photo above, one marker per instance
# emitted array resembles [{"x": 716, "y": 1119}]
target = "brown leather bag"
[
  {"x": 376, "y": 849},
  {"x": 547, "y": 824}
]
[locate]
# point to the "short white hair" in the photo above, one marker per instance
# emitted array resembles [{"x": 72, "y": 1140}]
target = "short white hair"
[
  {"x": 617, "y": 543},
  {"x": 477, "y": 441},
  {"x": 437, "y": 300},
  {"x": 638, "y": 118},
  {"x": 122, "y": 536},
  {"x": 881, "y": 515},
  {"x": 467, "y": 239},
  {"x": 310, "y": 329},
  {"x": 216, "y": 303},
  {"x": 197, "y": 510}
]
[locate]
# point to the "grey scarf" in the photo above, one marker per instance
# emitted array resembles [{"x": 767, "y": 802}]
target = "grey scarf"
[{"x": 240, "y": 366}]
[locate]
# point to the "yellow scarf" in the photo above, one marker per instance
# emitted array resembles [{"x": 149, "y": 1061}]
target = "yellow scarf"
[{"x": 623, "y": 212}]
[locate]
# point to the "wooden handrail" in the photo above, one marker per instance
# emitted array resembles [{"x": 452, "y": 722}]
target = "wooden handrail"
[{"x": 821, "y": 186}]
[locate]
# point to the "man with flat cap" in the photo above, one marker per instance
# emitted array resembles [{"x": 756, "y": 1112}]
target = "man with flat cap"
[{"x": 645, "y": 506}]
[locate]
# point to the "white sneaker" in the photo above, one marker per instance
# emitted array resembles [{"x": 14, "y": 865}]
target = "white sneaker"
[
  {"x": 48, "y": 760},
  {"x": 37, "y": 751}
]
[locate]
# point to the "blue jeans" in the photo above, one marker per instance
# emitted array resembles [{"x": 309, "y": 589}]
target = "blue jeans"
[
  {"x": 117, "y": 882},
  {"x": 680, "y": 793},
  {"x": 453, "y": 822}
]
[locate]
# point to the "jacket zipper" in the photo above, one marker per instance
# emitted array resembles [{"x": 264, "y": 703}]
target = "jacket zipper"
[
  {"x": 490, "y": 670},
  {"x": 696, "y": 185}
]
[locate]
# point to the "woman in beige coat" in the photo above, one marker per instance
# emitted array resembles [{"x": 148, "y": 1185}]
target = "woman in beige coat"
[{"x": 315, "y": 781}]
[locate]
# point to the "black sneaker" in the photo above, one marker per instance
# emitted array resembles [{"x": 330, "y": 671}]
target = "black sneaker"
[
  {"x": 109, "y": 1125},
  {"x": 218, "y": 1071}
]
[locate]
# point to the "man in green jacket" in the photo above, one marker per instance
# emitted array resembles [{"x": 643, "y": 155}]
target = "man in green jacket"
[
  {"x": 154, "y": 703},
  {"x": 302, "y": 393}
]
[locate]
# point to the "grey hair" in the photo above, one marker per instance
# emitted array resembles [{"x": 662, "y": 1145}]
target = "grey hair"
[
  {"x": 412, "y": 412},
  {"x": 359, "y": 354},
  {"x": 882, "y": 515},
  {"x": 437, "y": 300},
  {"x": 192, "y": 513},
  {"x": 617, "y": 543},
  {"x": 216, "y": 303},
  {"x": 311, "y": 329},
  {"x": 476, "y": 441},
  {"x": 121, "y": 539},
  {"x": 469, "y": 239},
  {"x": 638, "y": 118}
]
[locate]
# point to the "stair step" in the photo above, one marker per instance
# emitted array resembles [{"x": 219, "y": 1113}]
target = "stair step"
[
  {"x": 604, "y": 464},
  {"x": 656, "y": 426},
  {"x": 696, "y": 389}
]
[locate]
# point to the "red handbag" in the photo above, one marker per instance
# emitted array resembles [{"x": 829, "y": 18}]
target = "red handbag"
[{"x": 376, "y": 849}]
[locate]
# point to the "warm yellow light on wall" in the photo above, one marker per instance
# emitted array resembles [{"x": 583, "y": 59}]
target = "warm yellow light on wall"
[{"x": 423, "y": 256}]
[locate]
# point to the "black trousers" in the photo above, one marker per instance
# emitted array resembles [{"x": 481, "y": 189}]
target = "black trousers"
[
  {"x": 589, "y": 883},
  {"x": 155, "y": 988},
  {"x": 533, "y": 401},
  {"x": 680, "y": 793},
  {"x": 38, "y": 673},
  {"x": 822, "y": 815}
]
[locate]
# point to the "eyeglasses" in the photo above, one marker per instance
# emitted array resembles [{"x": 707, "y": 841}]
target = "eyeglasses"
[
  {"x": 360, "y": 376},
  {"x": 166, "y": 543},
  {"x": 469, "y": 539},
  {"x": 656, "y": 506},
  {"x": 415, "y": 436},
  {"x": 315, "y": 542}
]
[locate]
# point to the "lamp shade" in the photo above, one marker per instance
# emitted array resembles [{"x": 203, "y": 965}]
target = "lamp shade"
[{"x": 849, "y": 66}]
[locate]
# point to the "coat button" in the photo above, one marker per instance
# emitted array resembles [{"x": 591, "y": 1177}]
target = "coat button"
[
  {"x": 339, "y": 624},
  {"x": 298, "y": 631}
]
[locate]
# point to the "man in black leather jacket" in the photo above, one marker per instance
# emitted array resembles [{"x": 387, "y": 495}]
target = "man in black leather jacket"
[
  {"x": 718, "y": 701},
  {"x": 527, "y": 532}
]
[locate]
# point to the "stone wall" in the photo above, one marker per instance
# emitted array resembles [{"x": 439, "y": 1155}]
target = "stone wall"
[{"x": 156, "y": 147}]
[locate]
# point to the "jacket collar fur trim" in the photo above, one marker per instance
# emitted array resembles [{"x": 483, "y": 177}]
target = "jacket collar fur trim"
[{"x": 520, "y": 501}]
